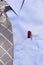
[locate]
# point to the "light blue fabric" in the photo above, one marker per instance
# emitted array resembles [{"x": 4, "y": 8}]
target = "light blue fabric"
[
  {"x": 27, "y": 51},
  {"x": 15, "y": 4}
]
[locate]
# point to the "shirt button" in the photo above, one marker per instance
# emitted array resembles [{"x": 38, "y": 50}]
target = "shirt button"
[{"x": 29, "y": 34}]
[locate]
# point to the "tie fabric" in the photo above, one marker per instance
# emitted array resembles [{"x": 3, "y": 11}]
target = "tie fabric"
[{"x": 6, "y": 40}]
